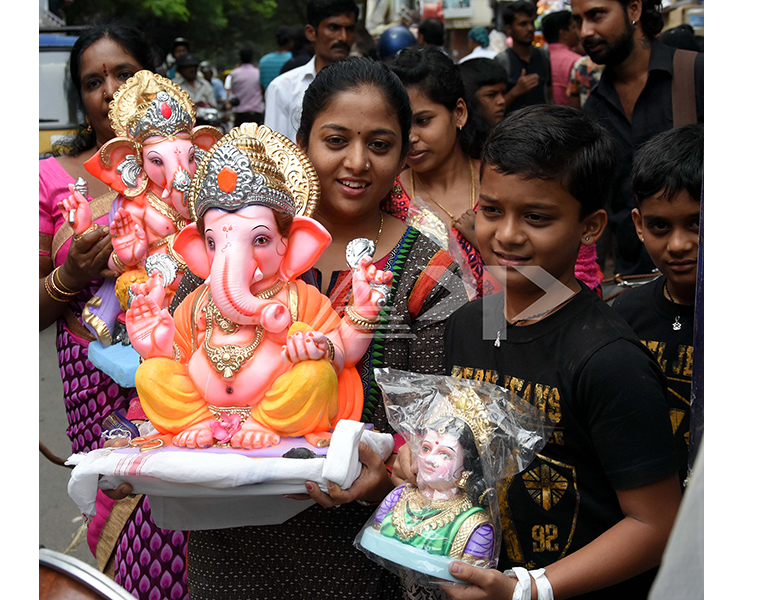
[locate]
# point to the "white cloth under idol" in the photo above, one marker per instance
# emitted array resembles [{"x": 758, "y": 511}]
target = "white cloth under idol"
[{"x": 197, "y": 489}]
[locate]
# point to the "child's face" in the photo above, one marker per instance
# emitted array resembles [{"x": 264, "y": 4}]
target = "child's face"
[
  {"x": 670, "y": 232},
  {"x": 531, "y": 222},
  {"x": 492, "y": 100}
]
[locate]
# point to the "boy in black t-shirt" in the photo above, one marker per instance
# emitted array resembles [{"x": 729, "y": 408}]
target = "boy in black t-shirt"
[
  {"x": 596, "y": 506},
  {"x": 666, "y": 181}
]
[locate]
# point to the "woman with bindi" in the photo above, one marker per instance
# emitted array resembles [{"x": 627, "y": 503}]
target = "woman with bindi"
[
  {"x": 71, "y": 269},
  {"x": 355, "y": 130}
]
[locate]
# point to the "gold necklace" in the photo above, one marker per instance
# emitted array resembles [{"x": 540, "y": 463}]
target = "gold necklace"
[
  {"x": 412, "y": 502},
  {"x": 227, "y": 358},
  {"x": 379, "y": 231},
  {"x": 271, "y": 291},
  {"x": 167, "y": 211},
  {"x": 472, "y": 191}
]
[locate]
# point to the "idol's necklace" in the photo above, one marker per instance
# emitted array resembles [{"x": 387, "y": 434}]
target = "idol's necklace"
[{"x": 677, "y": 323}]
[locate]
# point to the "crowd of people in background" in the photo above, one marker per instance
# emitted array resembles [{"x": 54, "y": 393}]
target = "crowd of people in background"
[{"x": 579, "y": 151}]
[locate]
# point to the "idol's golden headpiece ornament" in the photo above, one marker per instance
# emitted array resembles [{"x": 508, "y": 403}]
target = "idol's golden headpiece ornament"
[
  {"x": 466, "y": 405},
  {"x": 151, "y": 105},
  {"x": 253, "y": 165}
]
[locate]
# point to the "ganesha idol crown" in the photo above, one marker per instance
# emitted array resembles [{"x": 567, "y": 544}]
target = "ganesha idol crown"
[
  {"x": 253, "y": 165},
  {"x": 150, "y": 105}
]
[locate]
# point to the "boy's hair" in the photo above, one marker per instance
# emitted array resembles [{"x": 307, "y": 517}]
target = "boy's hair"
[
  {"x": 319, "y": 10},
  {"x": 478, "y": 72},
  {"x": 670, "y": 162},
  {"x": 433, "y": 31},
  {"x": 555, "y": 22},
  {"x": 521, "y": 6},
  {"x": 548, "y": 141}
]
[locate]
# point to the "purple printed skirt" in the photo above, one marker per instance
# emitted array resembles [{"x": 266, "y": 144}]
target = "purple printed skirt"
[{"x": 149, "y": 562}]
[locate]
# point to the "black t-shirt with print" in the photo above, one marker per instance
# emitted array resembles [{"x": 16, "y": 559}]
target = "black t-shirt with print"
[
  {"x": 605, "y": 395},
  {"x": 652, "y": 316}
]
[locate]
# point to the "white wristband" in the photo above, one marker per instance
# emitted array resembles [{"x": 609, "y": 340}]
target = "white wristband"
[
  {"x": 522, "y": 589},
  {"x": 544, "y": 588}
]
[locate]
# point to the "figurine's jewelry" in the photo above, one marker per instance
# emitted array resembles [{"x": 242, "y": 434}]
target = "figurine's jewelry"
[
  {"x": 242, "y": 411},
  {"x": 415, "y": 507},
  {"x": 227, "y": 359},
  {"x": 677, "y": 323},
  {"x": 483, "y": 495},
  {"x": 271, "y": 291},
  {"x": 466, "y": 405},
  {"x": 359, "y": 322},
  {"x": 167, "y": 211},
  {"x": 462, "y": 481},
  {"x": 118, "y": 262},
  {"x": 330, "y": 349}
]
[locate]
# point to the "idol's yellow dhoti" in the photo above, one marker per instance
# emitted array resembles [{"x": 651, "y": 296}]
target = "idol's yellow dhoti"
[{"x": 309, "y": 397}]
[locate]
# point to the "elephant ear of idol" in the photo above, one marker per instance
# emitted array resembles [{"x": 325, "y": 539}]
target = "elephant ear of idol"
[
  {"x": 300, "y": 178},
  {"x": 146, "y": 105}
]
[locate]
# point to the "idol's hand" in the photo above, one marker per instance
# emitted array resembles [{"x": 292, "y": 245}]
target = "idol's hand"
[
  {"x": 81, "y": 211},
  {"x": 150, "y": 328},
  {"x": 305, "y": 345},
  {"x": 368, "y": 299},
  {"x": 129, "y": 240}
]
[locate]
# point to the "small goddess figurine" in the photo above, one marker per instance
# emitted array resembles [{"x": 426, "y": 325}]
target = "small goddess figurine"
[{"x": 447, "y": 513}]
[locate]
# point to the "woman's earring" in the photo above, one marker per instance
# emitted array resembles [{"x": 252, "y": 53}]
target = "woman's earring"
[
  {"x": 462, "y": 481},
  {"x": 633, "y": 24},
  {"x": 588, "y": 238},
  {"x": 88, "y": 129}
]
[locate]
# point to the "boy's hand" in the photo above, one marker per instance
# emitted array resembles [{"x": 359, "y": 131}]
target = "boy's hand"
[{"x": 484, "y": 584}]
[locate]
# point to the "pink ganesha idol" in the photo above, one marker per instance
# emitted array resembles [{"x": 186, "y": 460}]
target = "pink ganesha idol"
[
  {"x": 150, "y": 164},
  {"x": 254, "y": 353}
]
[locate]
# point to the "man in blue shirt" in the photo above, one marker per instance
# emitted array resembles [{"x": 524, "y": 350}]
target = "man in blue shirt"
[{"x": 270, "y": 64}]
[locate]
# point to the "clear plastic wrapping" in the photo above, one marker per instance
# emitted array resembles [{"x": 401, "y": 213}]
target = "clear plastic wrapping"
[{"x": 464, "y": 438}]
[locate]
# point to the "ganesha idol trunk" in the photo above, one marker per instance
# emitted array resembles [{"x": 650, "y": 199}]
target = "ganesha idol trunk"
[{"x": 251, "y": 384}]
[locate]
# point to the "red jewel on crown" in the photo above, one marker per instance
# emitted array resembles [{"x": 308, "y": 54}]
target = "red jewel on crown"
[{"x": 166, "y": 110}]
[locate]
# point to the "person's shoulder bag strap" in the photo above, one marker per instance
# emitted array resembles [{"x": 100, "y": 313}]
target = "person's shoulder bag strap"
[{"x": 683, "y": 88}]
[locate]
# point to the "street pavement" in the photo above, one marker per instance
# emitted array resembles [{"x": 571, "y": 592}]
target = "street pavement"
[{"x": 60, "y": 519}]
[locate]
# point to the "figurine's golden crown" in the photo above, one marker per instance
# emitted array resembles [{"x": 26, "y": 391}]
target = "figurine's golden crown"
[
  {"x": 465, "y": 404},
  {"x": 151, "y": 105},
  {"x": 254, "y": 165}
]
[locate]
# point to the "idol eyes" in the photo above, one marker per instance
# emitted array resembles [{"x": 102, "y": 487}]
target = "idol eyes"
[
  {"x": 261, "y": 240},
  {"x": 211, "y": 244}
]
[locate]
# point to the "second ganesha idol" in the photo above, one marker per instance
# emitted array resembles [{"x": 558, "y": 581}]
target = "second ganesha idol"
[
  {"x": 254, "y": 354},
  {"x": 150, "y": 163}
]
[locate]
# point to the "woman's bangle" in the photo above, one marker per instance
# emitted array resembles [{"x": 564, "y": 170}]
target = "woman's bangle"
[
  {"x": 56, "y": 294},
  {"x": 57, "y": 275}
]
